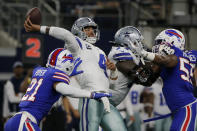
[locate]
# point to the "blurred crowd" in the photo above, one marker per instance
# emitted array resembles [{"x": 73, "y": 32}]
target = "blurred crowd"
[{"x": 140, "y": 104}]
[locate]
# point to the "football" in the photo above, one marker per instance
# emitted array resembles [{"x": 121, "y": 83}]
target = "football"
[{"x": 35, "y": 15}]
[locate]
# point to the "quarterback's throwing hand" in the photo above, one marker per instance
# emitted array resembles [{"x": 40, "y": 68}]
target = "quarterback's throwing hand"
[
  {"x": 97, "y": 95},
  {"x": 29, "y": 26}
]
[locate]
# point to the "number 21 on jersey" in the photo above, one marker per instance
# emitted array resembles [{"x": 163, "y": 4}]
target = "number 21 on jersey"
[{"x": 32, "y": 90}]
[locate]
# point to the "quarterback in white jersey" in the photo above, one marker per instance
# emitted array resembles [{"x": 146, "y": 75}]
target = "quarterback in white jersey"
[{"x": 94, "y": 76}]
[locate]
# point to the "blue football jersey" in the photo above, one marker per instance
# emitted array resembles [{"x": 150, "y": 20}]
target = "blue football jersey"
[
  {"x": 192, "y": 54},
  {"x": 40, "y": 95},
  {"x": 178, "y": 88}
]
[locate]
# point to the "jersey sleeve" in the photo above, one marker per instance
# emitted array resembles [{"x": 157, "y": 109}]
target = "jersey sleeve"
[
  {"x": 120, "y": 54},
  {"x": 194, "y": 52},
  {"x": 177, "y": 51},
  {"x": 59, "y": 76}
]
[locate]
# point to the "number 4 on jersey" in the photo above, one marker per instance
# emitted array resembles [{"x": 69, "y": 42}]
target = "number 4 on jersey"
[{"x": 102, "y": 64}]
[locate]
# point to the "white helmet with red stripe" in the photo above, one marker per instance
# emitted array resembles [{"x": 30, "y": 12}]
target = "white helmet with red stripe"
[
  {"x": 61, "y": 59},
  {"x": 172, "y": 37}
]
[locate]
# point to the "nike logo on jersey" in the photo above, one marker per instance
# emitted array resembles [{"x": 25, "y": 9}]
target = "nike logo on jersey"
[
  {"x": 40, "y": 72},
  {"x": 88, "y": 47}
]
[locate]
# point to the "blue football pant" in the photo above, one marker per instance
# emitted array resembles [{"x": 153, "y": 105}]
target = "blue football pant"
[
  {"x": 184, "y": 119},
  {"x": 13, "y": 124}
]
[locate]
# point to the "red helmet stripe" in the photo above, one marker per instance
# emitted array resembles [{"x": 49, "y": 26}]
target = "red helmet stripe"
[
  {"x": 175, "y": 34},
  {"x": 54, "y": 56},
  {"x": 67, "y": 57}
]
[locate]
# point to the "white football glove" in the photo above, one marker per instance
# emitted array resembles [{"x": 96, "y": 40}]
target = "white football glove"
[
  {"x": 138, "y": 50},
  {"x": 106, "y": 104}
]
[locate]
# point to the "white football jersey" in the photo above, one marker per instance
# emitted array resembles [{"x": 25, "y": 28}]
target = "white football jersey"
[
  {"x": 134, "y": 96},
  {"x": 94, "y": 77},
  {"x": 119, "y": 88},
  {"x": 160, "y": 106}
]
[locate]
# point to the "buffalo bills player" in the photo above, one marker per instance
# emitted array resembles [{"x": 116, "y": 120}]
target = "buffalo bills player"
[
  {"x": 47, "y": 85},
  {"x": 177, "y": 73}
]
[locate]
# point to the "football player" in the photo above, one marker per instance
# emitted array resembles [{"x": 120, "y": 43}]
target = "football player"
[
  {"x": 177, "y": 71},
  {"x": 127, "y": 64},
  {"x": 47, "y": 85},
  {"x": 94, "y": 78}
]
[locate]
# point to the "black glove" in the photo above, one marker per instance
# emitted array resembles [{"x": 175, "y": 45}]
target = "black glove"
[{"x": 146, "y": 75}]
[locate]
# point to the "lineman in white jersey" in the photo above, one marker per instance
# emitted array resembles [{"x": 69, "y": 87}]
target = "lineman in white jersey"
[
  {"x": 121, "y": 86},
  {"x": 128, "y": 64},
  {"x": 94, "y": 78},
  {"x": 160, "y": 107},
  {"x": 126, "y": 61}
]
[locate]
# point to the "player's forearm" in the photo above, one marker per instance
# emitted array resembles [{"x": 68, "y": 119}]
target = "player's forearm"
[
  {"x": 66, "y": 105},
  {"x": 167, "y": 61},
  {"x": 64, "y": 35},
  {"x": 64, "y": 89},
  {"x": 114, "y": 74}
]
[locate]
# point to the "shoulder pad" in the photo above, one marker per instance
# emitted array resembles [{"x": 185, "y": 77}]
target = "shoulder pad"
[
  {"x": 121, "y": 54},
  {"x": 60, "y": 76}
]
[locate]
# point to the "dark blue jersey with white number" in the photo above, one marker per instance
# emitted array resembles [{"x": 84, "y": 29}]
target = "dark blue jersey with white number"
[
  {"x": 40, "y": 95},
  {"x": 192, "y": 54},
  {"x": 178, "y": 88}
]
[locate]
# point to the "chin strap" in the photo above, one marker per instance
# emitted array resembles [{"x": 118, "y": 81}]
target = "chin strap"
[{"x": 91, "y": 40}]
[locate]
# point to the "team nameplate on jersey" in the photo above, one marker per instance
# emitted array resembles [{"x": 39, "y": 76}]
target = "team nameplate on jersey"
[{"x": 32, "y": 49}]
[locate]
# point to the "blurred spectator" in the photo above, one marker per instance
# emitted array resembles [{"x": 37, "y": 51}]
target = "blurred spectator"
[
  {"x": 12, "y": 94},
  {"x": 133, "y": 102},
  {"x": 1, "y": 106},
  {"x": 122, "y": 109},
  {"x": 195, "y": 81},
  {"x": 73, "y": 105},
  {"x": 147, "y": 97},
  {"x": 24, "y": 85},
  {"x": 56, "y": 119},
  {"x": 160, "y": 107}
]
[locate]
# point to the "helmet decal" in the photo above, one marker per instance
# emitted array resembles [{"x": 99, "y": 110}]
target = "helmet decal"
[
  {"x": 54, "y": 57},
  {"x": 173, "y": 33},
  {"x": 69, "y": 57},
  {"x": 61, "y": 59},
  {"x": 172, "y": 37}
]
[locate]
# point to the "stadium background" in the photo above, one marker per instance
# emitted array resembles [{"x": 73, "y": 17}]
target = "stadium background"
[{"x": 150, "y": 16}]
